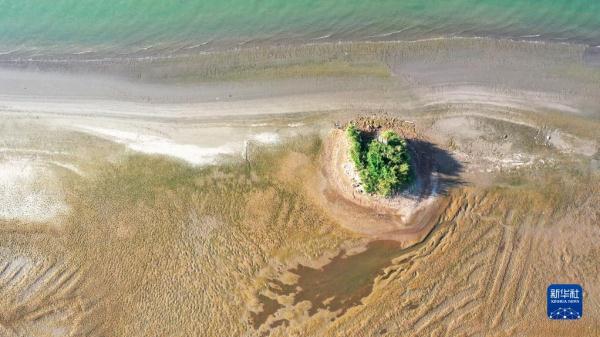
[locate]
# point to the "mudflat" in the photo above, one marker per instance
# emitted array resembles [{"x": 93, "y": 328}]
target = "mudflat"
[{"x": 164, "y": 197}]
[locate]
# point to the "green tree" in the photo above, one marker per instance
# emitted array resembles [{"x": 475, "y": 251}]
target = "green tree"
[
  {"x": 384, "y": 164},
  {"x": 356, "y": 151}
]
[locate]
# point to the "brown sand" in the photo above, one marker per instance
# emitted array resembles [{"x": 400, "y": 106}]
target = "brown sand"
[{"x": 152, "y": 246}]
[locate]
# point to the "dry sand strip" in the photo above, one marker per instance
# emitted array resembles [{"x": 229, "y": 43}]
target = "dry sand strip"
[{"x": 123, "y": 109}]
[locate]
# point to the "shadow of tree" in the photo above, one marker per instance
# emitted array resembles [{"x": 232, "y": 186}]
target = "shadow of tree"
[{"x": 435, "y": 169}]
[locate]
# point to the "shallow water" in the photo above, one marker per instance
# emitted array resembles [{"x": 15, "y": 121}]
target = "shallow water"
[
  {"x": 43, "y": 28},
  {"x": 337, "y": 286}
]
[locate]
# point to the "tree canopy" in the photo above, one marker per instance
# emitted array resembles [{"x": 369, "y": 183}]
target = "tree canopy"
[{"x": 383, "y": 163}]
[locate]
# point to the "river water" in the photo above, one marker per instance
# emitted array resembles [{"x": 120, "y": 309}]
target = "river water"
[{"x": 56, "y": 28}]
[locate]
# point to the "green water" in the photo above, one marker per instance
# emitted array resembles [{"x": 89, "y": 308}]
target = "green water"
[{"x": 72, "y": 26}]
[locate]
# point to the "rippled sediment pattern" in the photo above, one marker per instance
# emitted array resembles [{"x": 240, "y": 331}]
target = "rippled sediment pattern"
[{"x": 35, "y": 28}]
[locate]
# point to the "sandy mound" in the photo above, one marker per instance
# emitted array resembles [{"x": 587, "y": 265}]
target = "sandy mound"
[{"x": 406, "y": 217}]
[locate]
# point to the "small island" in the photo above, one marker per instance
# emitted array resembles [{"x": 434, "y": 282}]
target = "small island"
[
  {"x": 381, "y": 159},
  {"x": 379, "y": 178}
]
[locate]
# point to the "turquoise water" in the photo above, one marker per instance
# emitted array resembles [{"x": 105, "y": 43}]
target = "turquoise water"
[{"x": 73, "y": 26}]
